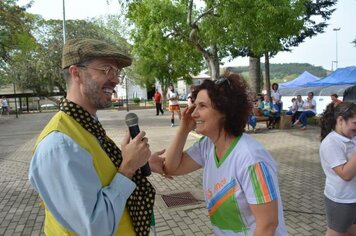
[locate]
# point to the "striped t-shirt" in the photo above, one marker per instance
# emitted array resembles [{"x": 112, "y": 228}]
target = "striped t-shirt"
[{"x": 246, "y": 174}]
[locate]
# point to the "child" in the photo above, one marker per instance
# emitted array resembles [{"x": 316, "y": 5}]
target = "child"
[{"x": 338, "y": 159}]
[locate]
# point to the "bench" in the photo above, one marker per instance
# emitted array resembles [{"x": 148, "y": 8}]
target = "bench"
[{"x": 259, "y": 116}]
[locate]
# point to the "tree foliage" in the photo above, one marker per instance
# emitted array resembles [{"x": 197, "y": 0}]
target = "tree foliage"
[
  {"x": 36, "y": 65},
  {"x": 161, "y": 54},
  {"x": 15, "y": 36}
]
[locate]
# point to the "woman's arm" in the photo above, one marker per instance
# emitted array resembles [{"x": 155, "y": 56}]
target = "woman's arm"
[
  {"x": 178, "y": 162},
  {"x": 266, "y": 218},
  {"x": 347, "y": 171}
]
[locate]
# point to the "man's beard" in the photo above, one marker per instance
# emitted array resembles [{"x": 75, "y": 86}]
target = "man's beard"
[{"x": 93, "y": 93}]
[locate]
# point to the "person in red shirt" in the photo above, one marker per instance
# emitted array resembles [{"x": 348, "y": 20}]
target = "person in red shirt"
[
  {"x": 158, "y": 101},
  {"x": 334, "y": 99}
]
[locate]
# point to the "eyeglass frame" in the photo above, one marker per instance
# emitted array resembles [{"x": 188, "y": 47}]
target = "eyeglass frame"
[
  {"x": 222, "y": 80},
  {"x": 106, "y": 70},
  {"x": 348, "y": 108}
]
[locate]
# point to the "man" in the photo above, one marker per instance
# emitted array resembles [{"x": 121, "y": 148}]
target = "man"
[
  {"x": 157, "y": 97},
  {"x": 5, "y": 106},
  {"x": 88, "y": 185},
  {"x": 172, "y": 97}
]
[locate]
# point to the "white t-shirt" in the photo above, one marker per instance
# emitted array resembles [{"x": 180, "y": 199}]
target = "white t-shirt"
[
  {"x": 245, "y": 175},
  {"x": 275, "y": 95},
  {"x": 170, "y": 95},
  {"x": 307, "y": 103},
  {"x": 336, "y": 150}
]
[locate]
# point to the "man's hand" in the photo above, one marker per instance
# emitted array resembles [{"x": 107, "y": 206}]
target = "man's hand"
[{"x": 135, "y": 153}]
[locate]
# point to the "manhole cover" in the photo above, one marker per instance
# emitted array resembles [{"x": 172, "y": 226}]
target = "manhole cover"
[{"x": 179, "y": 199}]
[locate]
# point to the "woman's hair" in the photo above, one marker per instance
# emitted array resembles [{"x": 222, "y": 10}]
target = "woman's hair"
[
  {"x": 229, "y": 96},
  {"x": 275, "y": 84},
  {"x": 328, "y": 119},
  {"x": 334, "y": 95}
]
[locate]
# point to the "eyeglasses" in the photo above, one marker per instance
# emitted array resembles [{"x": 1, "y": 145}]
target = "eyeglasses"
[
  {"x": 348, "y": 108},
  {"x": 222, "y": 80},
  {"x": 109, "y": 71}
]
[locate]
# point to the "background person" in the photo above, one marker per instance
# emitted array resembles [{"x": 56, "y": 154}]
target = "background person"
[
  {"x": 269, "y": 111},
  {"x": 334, "y": 99},
  {"x": 157, "y": 97},
  {"x": 338, "y": 159},
  {"x": 5, "y": 106},
  {"x": 276, "y": 97},
  {"x": 88, "y": 185},
  {"x": 172, "y": 97},
  {"x": 190, "y": 100},
  {"x": 240, "y": 177},
  {"x": 309, "y": 110}
]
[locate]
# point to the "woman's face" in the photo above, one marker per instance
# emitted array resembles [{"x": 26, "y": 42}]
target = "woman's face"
[
  {"x": 346, "y": 128},
  {"x": 207, "y": 118}
]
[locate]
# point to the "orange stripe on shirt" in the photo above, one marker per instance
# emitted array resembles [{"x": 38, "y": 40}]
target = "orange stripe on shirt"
[
  {"x": 263, "y": 184},
  {"x": 222, "y": 200}
]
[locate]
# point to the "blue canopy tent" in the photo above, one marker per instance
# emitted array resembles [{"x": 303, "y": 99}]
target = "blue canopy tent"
[
  {"x": 302, "y": 79},
  {"x": 341, "y": 76},
  {"x": 337, "y": 82}
]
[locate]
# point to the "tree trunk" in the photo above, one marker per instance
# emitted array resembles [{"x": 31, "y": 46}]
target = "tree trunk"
[
  {"x": 255, "y": 74},
  {"x": 211, "y": 58},
  {"x": 268, "y": 80}
]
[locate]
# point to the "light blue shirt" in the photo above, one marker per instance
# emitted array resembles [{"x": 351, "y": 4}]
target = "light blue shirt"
[{"x": 62, "y": 172}]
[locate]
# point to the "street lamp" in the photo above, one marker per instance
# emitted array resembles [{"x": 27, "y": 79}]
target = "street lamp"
[
  {"x": 64, "y": 23},
  {"x": 336, "y": 61}
]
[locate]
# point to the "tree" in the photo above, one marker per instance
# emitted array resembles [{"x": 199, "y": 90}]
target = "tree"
[
  {"x": 14, "y": 34},
  {"x": 159, "y": 55},
  {"x": 313, "y": 19}
]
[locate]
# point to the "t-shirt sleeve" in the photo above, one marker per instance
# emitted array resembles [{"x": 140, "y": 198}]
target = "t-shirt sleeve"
[
  {"x": 333, "y": 155},
  {"x": 259, "y": 183},
  {"x": 198, "y": 151},
  {"x": 258, "y": 177}
]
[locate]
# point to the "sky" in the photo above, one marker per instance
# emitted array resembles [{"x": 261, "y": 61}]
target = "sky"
[{"x": 321, "y": 50}]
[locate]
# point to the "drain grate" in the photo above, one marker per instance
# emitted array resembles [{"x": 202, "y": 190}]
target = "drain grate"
[{"x": 179, "y": 199}]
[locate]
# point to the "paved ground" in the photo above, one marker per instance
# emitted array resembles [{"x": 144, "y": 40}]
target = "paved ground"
[{"x": 296, "y": 152}]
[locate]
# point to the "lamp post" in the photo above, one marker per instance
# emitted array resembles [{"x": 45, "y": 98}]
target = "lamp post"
[
  {"x": 336, "y": 61},
  {"x": 64, "y": 23}
]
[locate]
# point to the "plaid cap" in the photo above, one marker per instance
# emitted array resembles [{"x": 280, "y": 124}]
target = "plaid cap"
[{"x": 76, "y": 51}]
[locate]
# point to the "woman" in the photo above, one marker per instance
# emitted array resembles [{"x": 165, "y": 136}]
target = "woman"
[
  {"x": 269, "y": 111},
  {"x": 276, "y": 97},
  {"x": 240, "y": 177},
  {"x": 309, "y": 110},
  {"x": 172, "y": 97},
  {"x": 338, "y": 159}
]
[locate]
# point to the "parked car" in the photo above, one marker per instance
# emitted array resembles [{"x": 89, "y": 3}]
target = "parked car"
[
  {"x": 182, "y": 97},
  {"x": 49, "y": 106}
]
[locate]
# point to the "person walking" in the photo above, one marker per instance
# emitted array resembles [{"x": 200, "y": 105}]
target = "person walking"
[
  {"x": 338, "y": 160},
  {"x": 172, "y": 97},
  {"x": 240, "y": 177},
  {"x": 157, "y": 97},
  {"x": 88, "y": 185},
  {"x": 5, "y": 106}
]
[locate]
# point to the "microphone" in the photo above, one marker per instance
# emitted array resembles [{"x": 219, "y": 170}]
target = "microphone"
[{"x": 131, "y": 120}]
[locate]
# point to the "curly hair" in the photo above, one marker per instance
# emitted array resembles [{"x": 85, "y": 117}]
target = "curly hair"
[
  {"x": 229, "y": 96},
  {"x": 328, "y": 119},
  {"x": 275, "y": 84}
]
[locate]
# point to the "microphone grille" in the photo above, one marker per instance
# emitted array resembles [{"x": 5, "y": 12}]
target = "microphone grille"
[{"x": 131, "y": 119}]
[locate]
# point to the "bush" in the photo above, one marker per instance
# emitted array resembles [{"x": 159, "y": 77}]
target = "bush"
[{"x": 136, "y": 100}]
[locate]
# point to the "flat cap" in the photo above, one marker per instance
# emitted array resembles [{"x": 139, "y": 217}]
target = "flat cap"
[{"x": 76, "y": 51}]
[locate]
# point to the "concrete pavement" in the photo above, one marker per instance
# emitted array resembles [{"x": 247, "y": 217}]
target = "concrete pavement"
[{"x": 300, "y": 176}]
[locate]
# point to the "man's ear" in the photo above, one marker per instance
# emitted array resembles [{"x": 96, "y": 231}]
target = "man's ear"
[{"x": 75, "y": 73}]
